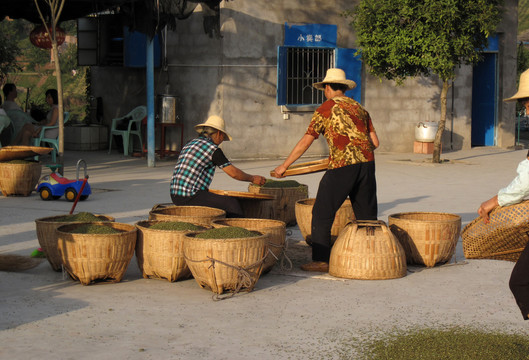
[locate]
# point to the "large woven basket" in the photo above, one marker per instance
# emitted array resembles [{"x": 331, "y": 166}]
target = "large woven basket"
[
  {"x": 428, "y": 238},
  {"x": 226, "y": 264},
  {"x": 503, "y": 238},
  {"x": 275, "y": 228},
  {"x": 160, "y": 253},
  {"x": 97, "y": 257},
  {"x": 285, "y": 200},
  {"x": 48, "y": 238},
  {"x": 19, "y": 179},
  {"x": 192, "y": 214},
  {"x": 367, "y": 250},
  {"x": 304, "y": 217}
]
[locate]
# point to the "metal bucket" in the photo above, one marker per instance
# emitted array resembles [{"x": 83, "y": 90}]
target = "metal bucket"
[
  {"x": 425, "y": 131},
  {"x": 168, "y": 107}
]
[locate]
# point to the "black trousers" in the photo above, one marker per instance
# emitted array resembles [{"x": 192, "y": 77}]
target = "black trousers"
[
  {"x": 205, "y": 198},
  {"x": 356, "y": 181},
  {"x": 519, "y": 282}
]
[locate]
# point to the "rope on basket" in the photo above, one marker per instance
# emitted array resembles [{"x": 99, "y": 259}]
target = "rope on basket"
[
  {"x": 282, "y": 255},
  {"x": 244, "y": 277}
]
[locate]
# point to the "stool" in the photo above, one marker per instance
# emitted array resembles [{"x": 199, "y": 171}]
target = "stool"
[{"x": 162, "y": 126}]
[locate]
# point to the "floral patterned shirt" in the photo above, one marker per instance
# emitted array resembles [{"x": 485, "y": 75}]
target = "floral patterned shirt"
[{"x": 346, "y": 126}]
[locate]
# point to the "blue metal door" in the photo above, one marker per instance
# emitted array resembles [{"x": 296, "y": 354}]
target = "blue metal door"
[{"x": 484, "y": 101}]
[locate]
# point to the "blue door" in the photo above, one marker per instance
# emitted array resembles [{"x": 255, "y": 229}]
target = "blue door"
[{"x": 484, "y": 101}]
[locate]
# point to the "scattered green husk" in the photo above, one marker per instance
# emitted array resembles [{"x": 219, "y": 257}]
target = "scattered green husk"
[
  {"x": 80, "y": 217},
  {"x": 281, "y": 183},
  {"x": 94, "y": 229},
  {"x": 176, "y": 225},
  {"x": 228, "y": 232},
  {"x": 19, "y": 161},
  {"x": 447, "y": 344}
]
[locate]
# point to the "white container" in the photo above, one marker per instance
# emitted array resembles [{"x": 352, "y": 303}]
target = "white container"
[{"x": 425, "y": 131}]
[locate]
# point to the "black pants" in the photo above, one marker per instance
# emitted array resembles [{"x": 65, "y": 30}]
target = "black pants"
[
  {"x": 519, "y": 282},
  {"x": 205, "y": 198},
  {"x": 356, "y": 181}
]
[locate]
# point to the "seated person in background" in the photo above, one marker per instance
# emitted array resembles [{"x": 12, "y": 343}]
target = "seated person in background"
[
  {"x": 30, "y": 131},
  {"x": 5, "y": 123},
  {"x": 10, "y": 94},
  {"x": 18, "y": 117}
]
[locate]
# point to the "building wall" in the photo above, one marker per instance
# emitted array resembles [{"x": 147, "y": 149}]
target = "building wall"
[{"x": 235, "y": 77}]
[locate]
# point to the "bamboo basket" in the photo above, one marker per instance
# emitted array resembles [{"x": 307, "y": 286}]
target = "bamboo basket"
[
  {"x": 160, "y": 253},
  {"x": 428, "y": 238},
  {"x": 367, "y": 250},
  {"x": 93, "y": 258},
  {"x": 48, "y": 238},
  {"x": 226, "y": 264},
  {"x": 343, "y": 216},
  {"x": 192, "y": 214},
  {"x": 285, "y": 201},
  {"x": 276, "y": 229},
  {"x": 19, "y": 179},
  {"x": 503, "y": 238}
]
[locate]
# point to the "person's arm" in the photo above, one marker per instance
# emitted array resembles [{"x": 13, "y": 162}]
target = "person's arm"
[
  {"x": 374, "y": 139},
  {"x": 240, "y": 175},
  {"x": 303, "y": 144},
  {"x": 486, "y": 207}
]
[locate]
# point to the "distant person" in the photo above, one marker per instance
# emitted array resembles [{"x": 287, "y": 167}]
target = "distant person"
[
  {"x": 10, "y": 94},
  {"x": 30, "y": 131},
  {"x": 512, "y": 194},
  {"x": 195, "y": 169}
]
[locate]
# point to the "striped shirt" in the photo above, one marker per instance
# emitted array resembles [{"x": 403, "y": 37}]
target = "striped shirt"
[{"x": 195, "y": 166}]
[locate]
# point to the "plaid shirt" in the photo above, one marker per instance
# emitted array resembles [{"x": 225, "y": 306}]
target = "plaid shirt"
[{"x": 194, "y": 168}]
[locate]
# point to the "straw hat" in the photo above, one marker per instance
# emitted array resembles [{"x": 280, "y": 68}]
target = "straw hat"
[
  {"x": 216, "y": 122},
  {"x": 523, "y": 88},
  {"x": 335, "y": 76}
]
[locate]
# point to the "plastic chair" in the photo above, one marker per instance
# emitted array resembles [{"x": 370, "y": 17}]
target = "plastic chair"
[
  {"x": 53, "y": 142},
  {"x": 135, "y": 117}
]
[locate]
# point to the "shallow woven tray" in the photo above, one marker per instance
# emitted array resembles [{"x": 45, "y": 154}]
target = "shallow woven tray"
[
  {"x": 242, "y": 194},
  {"x": 47, "y": 237},
  {"x": 428, "y": 238},
  {"x": 226, "y": 264},
  {"x": 191, "y": 214},
  {"x": 93, "y": 258},
  {"x": 303, "y": 210},
  {"x": 367, "y": 250},
  {"x": 160, "y": 253},
  {"x": 21, "y": 152},
  {"x": 275, "y": 228},
  {"x": 504, "y": 238},
  {"x": 304, "y": 168}
]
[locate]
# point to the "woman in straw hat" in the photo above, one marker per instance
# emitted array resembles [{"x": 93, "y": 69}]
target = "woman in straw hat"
[
  {"x": 514, "y": 193},
  {"x": 352, "y": 140},
  {"x": 195, "y": 168}
]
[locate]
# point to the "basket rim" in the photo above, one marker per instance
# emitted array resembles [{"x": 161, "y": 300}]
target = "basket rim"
[
  {"x": 278, "y": 222},
  {"x": 159, "y": 211},
  {"x": 45, "y": 219},
  {"x": 190, "y": 236},
  {"x": 397, "y": 216},
  {"x": 132, "y": 228},
  {"x": 139, "y": 225}
]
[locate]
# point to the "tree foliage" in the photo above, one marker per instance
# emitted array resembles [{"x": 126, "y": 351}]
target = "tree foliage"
[
  {"x": 402, "y": 38},
  {"x": 9, "y": 51}
]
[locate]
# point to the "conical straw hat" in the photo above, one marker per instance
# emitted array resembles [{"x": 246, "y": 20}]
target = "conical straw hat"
[
  {"x": 523, "y": 88},
  {"x": 335, "y": 76},
  {"x": 216, "y": 122}
]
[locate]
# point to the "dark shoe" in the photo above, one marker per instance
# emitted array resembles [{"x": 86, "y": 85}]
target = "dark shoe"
[{"x": 318, "y": 266}]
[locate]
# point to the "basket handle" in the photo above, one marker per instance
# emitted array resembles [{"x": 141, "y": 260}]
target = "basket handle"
[{"x": 373, "y": 223}]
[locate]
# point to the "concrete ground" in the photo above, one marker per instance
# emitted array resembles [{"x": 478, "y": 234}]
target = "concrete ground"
[{"x": 290, "y": 314}]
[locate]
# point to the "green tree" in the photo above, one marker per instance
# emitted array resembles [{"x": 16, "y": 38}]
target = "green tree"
[
  {"x": 407, "y": 38},
  {"x": 9, "y": 51}
]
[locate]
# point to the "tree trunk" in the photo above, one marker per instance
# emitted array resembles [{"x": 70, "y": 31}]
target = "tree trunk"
[
  {"x": 55, "y": 53},
  {"x": 436, "y": 157}
]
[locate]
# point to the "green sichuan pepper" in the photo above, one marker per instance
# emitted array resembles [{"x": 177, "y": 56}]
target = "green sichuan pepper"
[
  {"x": 228, "y": 232},
  {"x": 94, "y": 229},
  {"x": 281, "y": 183},
  {"x": 80, "y": 217},
  {"x": 176, "y": 225}
]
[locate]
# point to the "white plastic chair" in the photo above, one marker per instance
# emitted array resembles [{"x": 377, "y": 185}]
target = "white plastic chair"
[{"x": 135, "y": 117}]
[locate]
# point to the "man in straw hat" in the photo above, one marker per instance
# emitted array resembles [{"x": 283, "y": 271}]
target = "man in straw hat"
[
  {"x": 514, "y": 193},
  {"x": 195, "y": 168},
  {"x": 351, "y": 171}
]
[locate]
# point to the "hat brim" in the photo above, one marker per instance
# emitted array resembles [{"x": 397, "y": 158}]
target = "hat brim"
[
  {"x": 321, "y": 85},
  {"x": 519, "y": 95},
  {"x": 198, "y": 129}
]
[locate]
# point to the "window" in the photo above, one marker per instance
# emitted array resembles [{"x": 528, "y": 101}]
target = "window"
[{"x": 300, "y": 67}]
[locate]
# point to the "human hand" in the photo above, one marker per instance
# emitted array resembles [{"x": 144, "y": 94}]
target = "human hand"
[
  {"x": 486, "y": 207},
  {"x": 278, "y": 171},
  {"x": 258, "y": 180}
]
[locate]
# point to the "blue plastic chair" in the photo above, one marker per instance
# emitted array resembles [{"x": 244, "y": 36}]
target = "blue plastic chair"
[
  {"x": 52, "y": 142},
  {"x": 135, "y": 117}
]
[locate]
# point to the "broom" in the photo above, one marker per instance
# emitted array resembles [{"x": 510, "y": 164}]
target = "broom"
[{"x": 10, "y": 262}]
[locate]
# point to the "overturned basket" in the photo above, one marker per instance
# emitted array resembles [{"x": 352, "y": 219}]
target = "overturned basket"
[
  {"x": 160, "y": 253},
  {"x": 47, "y": 236},
  {"x": 367, "y": 250},
  {"x": 97, "y": 257},
  {"x": 275, "y": 228},
  {"x": 191, "y": 214},
  {"x": 503, "y": 238},
  {"x": 226, "y": 264},
  {"x": 304, "y": 218},
  {"x": 428, "y": 238}
]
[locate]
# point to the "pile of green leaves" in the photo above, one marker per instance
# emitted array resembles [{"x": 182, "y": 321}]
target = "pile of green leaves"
[
  {"x": 228, "y": 232},
  {"x": 176, "y": 225},
  {"x": 281, "y": 184},
  {"x": 94, "y": 229},
  {"x": 80, "y": 217}
]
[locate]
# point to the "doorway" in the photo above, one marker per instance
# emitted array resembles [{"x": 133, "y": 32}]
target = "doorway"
[{"x": 484, "y": 101}]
